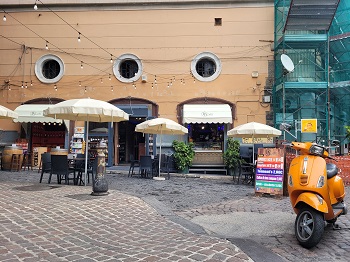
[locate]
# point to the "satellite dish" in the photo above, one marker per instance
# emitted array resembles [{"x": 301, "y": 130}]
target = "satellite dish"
[{"x": 287, "y": 63}]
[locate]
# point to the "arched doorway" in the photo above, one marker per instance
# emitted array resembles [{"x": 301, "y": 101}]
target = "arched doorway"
[
  {"x": 207, "y": 120},
  {"x": 128, "y": 143}
]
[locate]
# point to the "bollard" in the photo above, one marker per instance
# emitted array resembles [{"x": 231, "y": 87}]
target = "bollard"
[{"x": 100, "y": 184}]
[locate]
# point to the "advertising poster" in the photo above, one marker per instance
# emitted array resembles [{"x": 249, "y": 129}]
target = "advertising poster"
[
  {"x": 308, "y": 125},
  {"x": 269, "y": 171}
]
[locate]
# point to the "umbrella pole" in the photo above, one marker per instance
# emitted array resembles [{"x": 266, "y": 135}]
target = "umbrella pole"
[
  {"x": 160, "y": 153},
  {"x": 86, "y": 152}
]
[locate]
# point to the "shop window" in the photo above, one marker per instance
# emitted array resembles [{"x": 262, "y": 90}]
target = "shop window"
[
  {"x": 206, "y": 67},
  {"x": 49, "y": 69},
  {"x": 206, "y": 136},
  {"x": 127, "y": 68}
]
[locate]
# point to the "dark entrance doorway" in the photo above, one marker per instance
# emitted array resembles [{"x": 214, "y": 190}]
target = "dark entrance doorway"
[{"x": 131, "y": 143}]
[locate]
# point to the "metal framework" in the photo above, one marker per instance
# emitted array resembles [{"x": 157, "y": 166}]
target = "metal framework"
[{"x": 315, "y": 34}]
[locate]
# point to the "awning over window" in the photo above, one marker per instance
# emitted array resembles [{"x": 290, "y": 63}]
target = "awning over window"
[
  {"x": 30, "y": 113},
  {"x": 214, "y": 113}
]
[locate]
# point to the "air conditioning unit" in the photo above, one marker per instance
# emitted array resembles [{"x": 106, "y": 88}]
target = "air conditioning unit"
[{"x": 144, "y": 78}]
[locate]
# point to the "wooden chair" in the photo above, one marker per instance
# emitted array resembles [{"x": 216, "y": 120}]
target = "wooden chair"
[
  {"x": 15, "y": 162},
  {"x": 27, "y": 161}
]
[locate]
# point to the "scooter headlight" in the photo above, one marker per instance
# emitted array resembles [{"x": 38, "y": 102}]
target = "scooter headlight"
[
  {"x": 316, "y": 150},
  {"x": 290, "y": 180},
  {"x": 320, "y": 182}
]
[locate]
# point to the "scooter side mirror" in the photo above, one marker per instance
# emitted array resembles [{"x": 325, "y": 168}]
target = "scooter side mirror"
[{"x": 335, "y": 142}]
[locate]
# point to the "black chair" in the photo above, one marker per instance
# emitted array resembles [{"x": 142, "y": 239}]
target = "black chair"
[
  {"x": 146, "y": 166},
  {"x": 45, "y": 164},
  {"x": 246, "y": 174},
  {"x": 60, "y": 167},
  {"x": 164, "y": 164},
  {"x": 78, "y": 166},
  {"x": 91, "y": 170},
  {"x": 133, "y": 163}
]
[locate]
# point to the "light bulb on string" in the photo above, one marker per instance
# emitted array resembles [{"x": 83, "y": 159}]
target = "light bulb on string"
[
  {"x": 22, "y": 85},
  {"x": 31, "y": 82},
  {"x": 101, "y": 81},
  {"x": 35, "y": 6},
  {"x": 85, "y": 89},
  {"x": 26, "y": 85},
  {"x": 111, "y": 58},
  {"x": 109, "y": 77},
  {"x": 79, "y": 83},
  {"x": 79, "y": 37},
  {"x": 112, "y": 88},
  {"x": 46, "y": 46},
  {"x": 4, "y": 18},
  {"x": 81, "y": 65}
]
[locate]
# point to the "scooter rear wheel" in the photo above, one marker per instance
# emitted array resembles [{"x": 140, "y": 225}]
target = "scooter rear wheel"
[{"x": 309, "y": 227}]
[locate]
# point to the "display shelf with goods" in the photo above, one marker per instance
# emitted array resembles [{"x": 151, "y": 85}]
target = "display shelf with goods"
[
  {"x": 46, "y": 136},
  {"x": 77, "y": 145},
  {"x": 94, "y": 145},
  {"x": 150, "y": 144}
]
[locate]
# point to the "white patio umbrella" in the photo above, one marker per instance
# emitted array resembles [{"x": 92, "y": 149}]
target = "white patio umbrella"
[
  {"x": 254, "y": 130},
  {"x": 161, "y": 126},
  {"x": 89, "y": 110},
  {"x": 6, "y": 113}
]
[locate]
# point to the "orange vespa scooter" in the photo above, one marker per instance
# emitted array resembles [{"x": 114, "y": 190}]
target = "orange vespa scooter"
[{"x": 316, "y": 192}]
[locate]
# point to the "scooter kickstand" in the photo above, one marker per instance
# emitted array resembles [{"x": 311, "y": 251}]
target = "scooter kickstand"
[{"x": 336, "y": 226}]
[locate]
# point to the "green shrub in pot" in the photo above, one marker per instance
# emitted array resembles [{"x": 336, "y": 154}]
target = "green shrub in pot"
[
  {"x": 232, "y": 158},
  {"x": 184, "y": 154}
]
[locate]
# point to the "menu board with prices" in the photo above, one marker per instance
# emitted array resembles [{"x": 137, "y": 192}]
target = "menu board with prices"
[{"x": 269, "y": 171}]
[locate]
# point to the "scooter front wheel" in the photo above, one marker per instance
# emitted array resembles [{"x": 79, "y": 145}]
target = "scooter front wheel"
[{"x": 309, "y": 227}]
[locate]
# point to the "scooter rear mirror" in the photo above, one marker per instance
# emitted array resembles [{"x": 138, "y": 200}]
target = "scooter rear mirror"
[{"x": 335, "y": 142}]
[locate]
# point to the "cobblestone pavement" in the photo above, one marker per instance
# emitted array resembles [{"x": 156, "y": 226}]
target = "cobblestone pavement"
[
  {"x": 125, "y": 228},
  {"x": 41, "y": 222}
]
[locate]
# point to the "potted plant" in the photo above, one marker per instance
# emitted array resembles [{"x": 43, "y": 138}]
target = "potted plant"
[
  {"x": 232, "y": 158},
  {"x": 183, "y": 156}
]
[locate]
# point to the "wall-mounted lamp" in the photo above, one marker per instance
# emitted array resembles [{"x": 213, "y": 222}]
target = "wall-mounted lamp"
[{"x": 255, "y": 74}]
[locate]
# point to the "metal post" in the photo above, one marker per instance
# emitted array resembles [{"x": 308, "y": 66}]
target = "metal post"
[{"x": 100, "y": 184}]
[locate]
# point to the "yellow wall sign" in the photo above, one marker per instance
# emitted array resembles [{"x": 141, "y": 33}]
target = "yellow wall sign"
[
  {"x": 257, "y": 140},
  {"x": 308, "y": 125}
]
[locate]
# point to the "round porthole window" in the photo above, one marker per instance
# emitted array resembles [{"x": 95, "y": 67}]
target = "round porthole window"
[
  {"x": 206, "y": 67},
  {"x": 127, "y": 68},
  {"x": 49, "y": 69}
]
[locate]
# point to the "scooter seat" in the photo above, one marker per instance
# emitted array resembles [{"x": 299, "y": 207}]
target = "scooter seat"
[{"x": 332, "y": 170}]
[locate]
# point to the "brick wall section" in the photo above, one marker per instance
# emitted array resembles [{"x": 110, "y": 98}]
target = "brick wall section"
[{"x": 343, "y": 163}]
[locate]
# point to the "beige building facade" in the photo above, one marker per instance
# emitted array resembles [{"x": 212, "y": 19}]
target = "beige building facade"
[{"x": 150, "y": 58}]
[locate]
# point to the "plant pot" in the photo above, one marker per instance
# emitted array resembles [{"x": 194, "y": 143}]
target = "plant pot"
[
  {"x": 185, "y": 171},
  {"x": 234, "y": 171}
]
